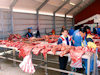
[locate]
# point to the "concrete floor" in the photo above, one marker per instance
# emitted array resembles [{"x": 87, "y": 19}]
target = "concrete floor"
[{"x": 7, "y": 68}]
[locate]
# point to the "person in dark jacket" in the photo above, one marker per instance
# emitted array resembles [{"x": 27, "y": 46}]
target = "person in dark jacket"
[
  {"x": 38, "y": 34},
  {"x": 63, "y": 27},
  {"x": 94, "y": 31},
  {"x": 29, "y": 33}
]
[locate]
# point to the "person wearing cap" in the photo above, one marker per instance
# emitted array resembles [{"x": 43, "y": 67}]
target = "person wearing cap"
[{"x": 29, "y": 33}]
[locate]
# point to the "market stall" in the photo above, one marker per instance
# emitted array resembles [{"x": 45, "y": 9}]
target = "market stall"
[
  {"x": 46, "y": 48},
  {"x": 22, "y": 21}
]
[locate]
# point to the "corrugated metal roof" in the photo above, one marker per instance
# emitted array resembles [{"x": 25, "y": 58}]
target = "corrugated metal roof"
[{"x": 50, "y": 7}]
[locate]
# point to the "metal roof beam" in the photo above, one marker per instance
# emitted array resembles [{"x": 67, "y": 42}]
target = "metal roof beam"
[
  {"x": 13, "y": 4},
  {"x": 37, "y": 10},
  {"x": 71, "y": 10},
  {"x": 74, "y": 7},
  {"x": 67, "y": 1},
  {"x": 43, "y": 4}
]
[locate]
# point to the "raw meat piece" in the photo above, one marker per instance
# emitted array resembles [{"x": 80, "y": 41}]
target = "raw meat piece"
[
  {"x": 76, "y": 55},
  {"x": 96, "y": 37},
  {"x": 3, "y": 42},
  {"x": 37, "y": 48},
  {"x": 64, "y": 52},
  {"x": 11, "y": 36},
  {"x": 85, "y": 49},
  {"x": 25, "y": 50},
  {"x": 9, "y": 44},
  {"x": 14, "y": 37},
  {"x": 54, "y": 36},
  {"x": 26, "y": 65},
  {"x": 51, "y": 38},
  {"x": 35, "y": 43},
  {"x": 36, "y": 51},
  {"x": 19, "y": 44},
  {"x": 18, "y": 36},
  {"x": 98, "y": 48},
  {"x": 54, "y": 49},
  {"x": 63, "y": 48},
  {"x": 79, "y": 48}
]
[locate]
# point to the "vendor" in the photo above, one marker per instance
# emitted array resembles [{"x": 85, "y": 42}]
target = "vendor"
[
  {"x": 38, "y": 34},
  {"x": 64, "y": 39},
  {"x": 87, "y": 30},
  {"x": 63, "y": 27},
  {"x": 29, "y": 33},
  {"x": 87, "y": 41},
  {"x": 53, "y": 32},
  {"x": 76, "y": 38}
]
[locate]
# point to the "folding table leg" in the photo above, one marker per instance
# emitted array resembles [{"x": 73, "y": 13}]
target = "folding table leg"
[
  {"x": 42, "y": 58},
  {"x": 14, "y": 57},
  {"x": 95, "y": 71},
  {"x": 46, "y": 65},
  {"x": 88, "y": 66}
]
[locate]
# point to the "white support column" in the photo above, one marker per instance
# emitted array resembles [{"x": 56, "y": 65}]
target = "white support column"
[
  {"x": 11, "y": 14},
  {"x": 40, "y": 7},
  {"x": 2, "y": 23}
]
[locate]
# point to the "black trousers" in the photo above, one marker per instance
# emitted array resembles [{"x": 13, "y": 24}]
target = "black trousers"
[{"x": 63, "y": 62}]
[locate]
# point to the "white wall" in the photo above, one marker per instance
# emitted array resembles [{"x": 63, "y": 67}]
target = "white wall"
[
  {"x": 5, "y": 26},
  {"x": 59, "y": 22},
  {"x": 69, "y": 23},
  {"x": 45, "y": 23},
  {"x": 22, "y": 21}
]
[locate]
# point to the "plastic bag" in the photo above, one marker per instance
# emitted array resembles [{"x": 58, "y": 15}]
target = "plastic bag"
[
  {"x": 76, "y": 56},
  {"x": 26, "y": 65}
]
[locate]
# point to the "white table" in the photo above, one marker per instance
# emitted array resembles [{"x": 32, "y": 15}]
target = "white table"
[
  {"x": 84, "y": 56},
  {"x": 57, "y": 53}
]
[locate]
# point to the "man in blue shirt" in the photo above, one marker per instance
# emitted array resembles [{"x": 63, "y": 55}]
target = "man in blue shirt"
[
  {"x": 29, "y": 33},
  {"x": 71, "y": 31},
  {"x": 77, "y": 38}
]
